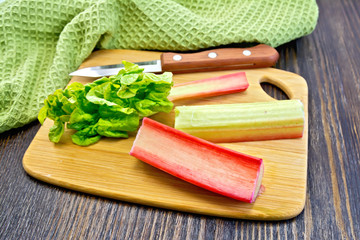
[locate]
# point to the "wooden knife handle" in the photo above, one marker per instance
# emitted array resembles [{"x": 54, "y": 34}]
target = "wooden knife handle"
[{"x": 220, "y": 59}]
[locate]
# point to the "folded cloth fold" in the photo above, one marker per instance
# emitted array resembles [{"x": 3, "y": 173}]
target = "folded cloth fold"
[{"x": 42, "y": 41}]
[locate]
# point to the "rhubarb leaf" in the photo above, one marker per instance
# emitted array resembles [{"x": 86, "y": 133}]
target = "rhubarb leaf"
[
  {"x": 86, "y": 136},
  {"x": 80, "y": 120},
  {"x": 164, "y": 78},
  {"x": 129, "y": 68},
  {"x": 129, "y": 79},
  {"x": 96, "y": 94},
  {"x": 116, "y": 118},
  {"x": 144, "y": 107},
  {"x": 110, "y": 106},
  {"x": 43, "y": 114},
  {"x": 56, "y": 131},
  {"x": 126, "y": 92},
  {"x": 112, "y": 128}
]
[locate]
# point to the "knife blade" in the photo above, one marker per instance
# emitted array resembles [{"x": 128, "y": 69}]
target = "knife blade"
[{"x": 210, "y": 60}]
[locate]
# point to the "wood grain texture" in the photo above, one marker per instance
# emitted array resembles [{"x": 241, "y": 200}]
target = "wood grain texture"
[
  {"x": 328, "y": 59},
  {"x": 107, "y": 169},
  {"x": 259, "y": 56}
]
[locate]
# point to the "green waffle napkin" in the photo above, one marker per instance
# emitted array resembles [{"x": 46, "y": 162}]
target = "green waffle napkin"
[{"x": 42, "y": 41}]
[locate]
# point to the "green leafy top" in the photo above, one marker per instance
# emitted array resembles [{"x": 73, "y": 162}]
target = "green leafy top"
[{"x": 110, "y": 106}]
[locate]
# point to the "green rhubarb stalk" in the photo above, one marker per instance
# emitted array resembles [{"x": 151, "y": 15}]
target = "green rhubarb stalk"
[
  {"x": 199, "y": 162},
  {"x": 225, "y": 84},
  {"x": 242, "y": 122}
]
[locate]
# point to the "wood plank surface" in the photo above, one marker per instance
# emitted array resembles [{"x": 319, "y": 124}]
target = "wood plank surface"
[
  {"x": 107, "y": 169},
  {"x": 328, "y": 59}
]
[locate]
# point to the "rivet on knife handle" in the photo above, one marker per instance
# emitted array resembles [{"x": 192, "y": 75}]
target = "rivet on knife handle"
[{"x": 259, "y": 56}]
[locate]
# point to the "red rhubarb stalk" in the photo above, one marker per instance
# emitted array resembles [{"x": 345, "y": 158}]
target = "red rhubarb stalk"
[
  {"x": 198, "y": 161},
  {"x": 225, "y": 84}
]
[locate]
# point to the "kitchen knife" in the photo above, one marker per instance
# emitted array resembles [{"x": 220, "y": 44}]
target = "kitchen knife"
[{"x": 211, "y": 60}]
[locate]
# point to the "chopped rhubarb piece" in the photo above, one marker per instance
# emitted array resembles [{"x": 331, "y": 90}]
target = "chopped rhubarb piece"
[
  {"x": 242, "y": 122},
  {"x": 225, "y": 84},
  {"x": 199, "y": 162}
]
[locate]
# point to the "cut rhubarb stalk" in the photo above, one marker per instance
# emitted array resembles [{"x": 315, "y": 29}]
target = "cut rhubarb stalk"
[
  {"x": 225, "y": 84},
  {"x": 242, "y": 122},
  {"x": 199, "y": 162}
]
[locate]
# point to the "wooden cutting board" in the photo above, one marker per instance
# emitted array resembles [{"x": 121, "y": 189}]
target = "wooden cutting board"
[{"x": 106, "y": 168}]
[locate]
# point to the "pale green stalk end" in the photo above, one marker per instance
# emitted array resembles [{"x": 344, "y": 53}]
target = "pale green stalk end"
[{"x": 243, "y": 121}]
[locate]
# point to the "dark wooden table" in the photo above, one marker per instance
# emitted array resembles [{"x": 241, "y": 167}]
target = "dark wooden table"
[{"x": 329, "y": 59}]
